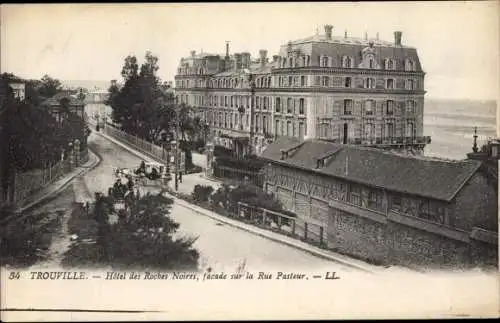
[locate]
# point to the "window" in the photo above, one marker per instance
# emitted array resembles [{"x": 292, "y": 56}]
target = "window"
[
  {"x": 325, "y": 81},
  {"x": 348, "y": 82},
  {"x": 289, "y": 105},
  {"x": 369, "y": 108},
  {"x": 302, "y": 81},
  {"x": 410, "y": 130},
  {"x": 370, "y": 83},
  {"x": 431, "y": 211},
  {"x": 301, "y": 106},
  {"x": 374, "y": 200},
  {"x": 277, "y": 129},
  {"x": 232, "y": 101},
  {"x": 355, "y": 195},
  {"x": 369, "y": 131},
  {"x": 296, "y": 81},
  {"x": 289, "y": 128},
  {"x": 265, "y": 99},
  {"x": 324, "y": 61},
  {"x": 410, "y": 85},
  {"x": 278, "y": 105},
  {"x": 347, "y": 62},
  {"x": 264, "y": 124},
  {"x": 390, "y": 107},
  {"x": 257, "y": 102},
  {"x": 390, "y": 84},
  {"x": 317, "y": 80},
  {"x": 347, "y": 107},
  {"x": 410, "y": 65},
  {"x": 225, "y": 101},
  {"x": 396, "y": 203},
  {"x": 389, "y": 64},
  {"x": 390, "y": 131},
  {"x": 290, "y": 81},
  {"x": 410, "y": 107}
]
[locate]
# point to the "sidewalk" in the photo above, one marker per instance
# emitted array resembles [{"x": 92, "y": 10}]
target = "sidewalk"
[
  {"x": 200, "y": 179},
  {"x": 58, "y": 186}
]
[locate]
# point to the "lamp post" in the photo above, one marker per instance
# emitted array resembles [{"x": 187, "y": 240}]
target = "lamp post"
[{"x": 177, "y": 129}]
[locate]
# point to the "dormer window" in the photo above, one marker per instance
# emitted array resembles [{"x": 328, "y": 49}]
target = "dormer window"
[
  {"x": 347, "y": 62},
  {"x": 389, "y": 64},
  {"x": 324, "y": 61},
  {"x": 410, "y": 65}
]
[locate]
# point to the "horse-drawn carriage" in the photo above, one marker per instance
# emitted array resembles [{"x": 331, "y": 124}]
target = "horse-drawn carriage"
[{"x": 147, "y": 174}]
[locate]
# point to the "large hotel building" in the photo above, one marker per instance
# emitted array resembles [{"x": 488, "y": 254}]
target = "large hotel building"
[{"x": 338, "y": 88}]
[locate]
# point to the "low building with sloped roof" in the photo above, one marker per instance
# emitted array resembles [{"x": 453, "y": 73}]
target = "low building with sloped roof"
[
  {"x": 386, "y": 207},
  {"x": 57, "y": 103}
]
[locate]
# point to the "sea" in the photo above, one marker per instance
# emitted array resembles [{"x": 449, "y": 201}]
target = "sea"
[{"x": 451, "y": 123}]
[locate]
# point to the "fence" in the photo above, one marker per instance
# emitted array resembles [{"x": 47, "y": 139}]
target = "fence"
[
  {"x": 27, "y": 183},
  {"x": 225, "y": 172},
  {"x": 136, "y": 142},
  {"x": 299, "y": 228}
]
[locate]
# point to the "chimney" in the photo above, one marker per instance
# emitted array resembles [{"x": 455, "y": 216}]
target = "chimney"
[
  {"x": 237, "y": 59},
  {"x": 397, "y": 38},
  {"x": 328, "y": 31},
  {"x": 245, "y": 60},
  {"x": 345, "y": 34},
  {"x": 262, "y": 54},
  {"x": 193, "y": 52},
  {"x": 227, "y": 49}
]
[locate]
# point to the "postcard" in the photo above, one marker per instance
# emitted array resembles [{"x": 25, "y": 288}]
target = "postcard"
[{"x": 248, "y": 161}]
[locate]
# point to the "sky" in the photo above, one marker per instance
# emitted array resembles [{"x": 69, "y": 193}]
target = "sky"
[{"x": 457, "y": 42}]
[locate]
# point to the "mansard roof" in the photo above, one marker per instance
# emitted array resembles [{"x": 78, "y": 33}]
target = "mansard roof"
[
  {"x": 426, "y": 177},
  {"x": 337, "y": 47}
]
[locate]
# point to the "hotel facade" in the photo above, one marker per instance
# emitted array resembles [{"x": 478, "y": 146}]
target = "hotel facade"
[{"x": 342, "y": 89}]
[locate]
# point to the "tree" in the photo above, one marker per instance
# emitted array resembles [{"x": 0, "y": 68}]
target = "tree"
[
  {"x": 49, "y": 87},
  {"x": 144, "y": 238}
]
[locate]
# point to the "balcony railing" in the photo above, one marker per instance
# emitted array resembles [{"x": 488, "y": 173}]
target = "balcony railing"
[{"x": 378, "y": 141}]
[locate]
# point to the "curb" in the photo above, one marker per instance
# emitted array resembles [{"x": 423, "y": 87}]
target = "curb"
[
  {"x": 268, "y": 235},
  {"x": 271, "y": 235},
  {"x": 47, "y": 197}
]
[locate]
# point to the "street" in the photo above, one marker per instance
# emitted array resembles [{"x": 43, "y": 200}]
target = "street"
[{"x": 221, "y": 246}]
